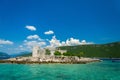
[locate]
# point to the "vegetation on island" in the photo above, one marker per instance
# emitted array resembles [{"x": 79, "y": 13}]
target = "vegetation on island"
[
  {"x": 111, "y": 50},
  {"x": 47, "y": 51},
  {"x": 57, "y": 53},
  {"x": 68, "y": 53}
]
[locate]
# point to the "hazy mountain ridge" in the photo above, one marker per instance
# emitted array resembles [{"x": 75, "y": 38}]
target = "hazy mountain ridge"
[
  {"x": 25, "y": 53},
  {"x": 4, "y": 55}
]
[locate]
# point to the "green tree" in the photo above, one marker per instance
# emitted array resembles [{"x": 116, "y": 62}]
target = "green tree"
[
  {"x": 57, "y": 53},
  {"x": 67, "y": 54},
  {"x": 48, "y": 52},
  {"x": 80, "y": 54}
]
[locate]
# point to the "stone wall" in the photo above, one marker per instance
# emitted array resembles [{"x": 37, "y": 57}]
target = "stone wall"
[{"x": 38, "y": 52}]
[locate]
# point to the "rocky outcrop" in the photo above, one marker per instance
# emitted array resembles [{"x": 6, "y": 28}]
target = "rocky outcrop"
[{"x": 56, "y": 59}]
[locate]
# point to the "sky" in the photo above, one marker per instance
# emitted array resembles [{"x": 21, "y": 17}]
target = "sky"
[{"x": 52, "y": 23}]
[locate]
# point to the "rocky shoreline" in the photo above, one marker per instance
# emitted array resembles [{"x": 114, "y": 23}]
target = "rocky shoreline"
[{"x": 62, "y": 60}]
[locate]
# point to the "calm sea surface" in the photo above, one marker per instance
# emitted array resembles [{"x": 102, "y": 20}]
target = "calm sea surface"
[{"x": 105, "y": 70}]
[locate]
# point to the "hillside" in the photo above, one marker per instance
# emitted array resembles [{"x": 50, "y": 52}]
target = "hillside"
[
  {"x": 4, "y": 55},
  {"x": 110, "y": 50},
  {"x": 25, "y": 53}
]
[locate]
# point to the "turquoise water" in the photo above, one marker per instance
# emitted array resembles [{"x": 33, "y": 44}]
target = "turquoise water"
[{"x": 105, "y": 70}]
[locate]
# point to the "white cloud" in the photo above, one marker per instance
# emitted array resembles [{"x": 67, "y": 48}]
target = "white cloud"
[
  {"x": 34, "y": 43},
  {"x": 32, "y": 40},
  {"x": 72, "y": 42},
  {"x": 63, "y": 43},
  {"x": 83, "y": 41},
  {"x": 21, "y": 46},
  {"x": 49, "y": 32},
  {"x": 6, "y": 42},
  {"x": 33, "y": 37},
  {"x": 35, "y": 40},
  {"x": 54, "y": 42},
  {"x": 32, "y": 28},
  {"x": 41, "y": 43},
  {"x": 25, "y": 41}
]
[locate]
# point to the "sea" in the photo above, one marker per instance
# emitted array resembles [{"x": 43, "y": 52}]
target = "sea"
[{"x": 105, "y": 70}]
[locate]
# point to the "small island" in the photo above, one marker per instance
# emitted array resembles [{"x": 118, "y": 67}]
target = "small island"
[{"x": 49, "y": 55}]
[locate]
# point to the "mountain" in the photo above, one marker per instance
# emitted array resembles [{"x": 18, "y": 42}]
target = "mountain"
[
  {"x": 4, "y": 55},
  {"x": 110, "y": 50},
  {"x": 25, "y": 53}
]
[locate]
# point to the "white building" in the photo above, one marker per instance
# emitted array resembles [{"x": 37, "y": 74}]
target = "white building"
[
  {"x": 38, "y": 52},
  {"x": 41, "y": 53},
  {"x": 62, "y": 51}
]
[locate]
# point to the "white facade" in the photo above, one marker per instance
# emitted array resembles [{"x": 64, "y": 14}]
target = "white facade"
[
  {"x": 35, "y": 51},
  {"x": 52, "y": 52},
  {"x": 41, "y": 53},
  {"x": 62, "y": 51},
  {"x": 38, "y": 52}
]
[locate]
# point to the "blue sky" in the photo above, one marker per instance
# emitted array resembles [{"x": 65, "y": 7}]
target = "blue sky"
[{"x": 71, "y": 21}]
